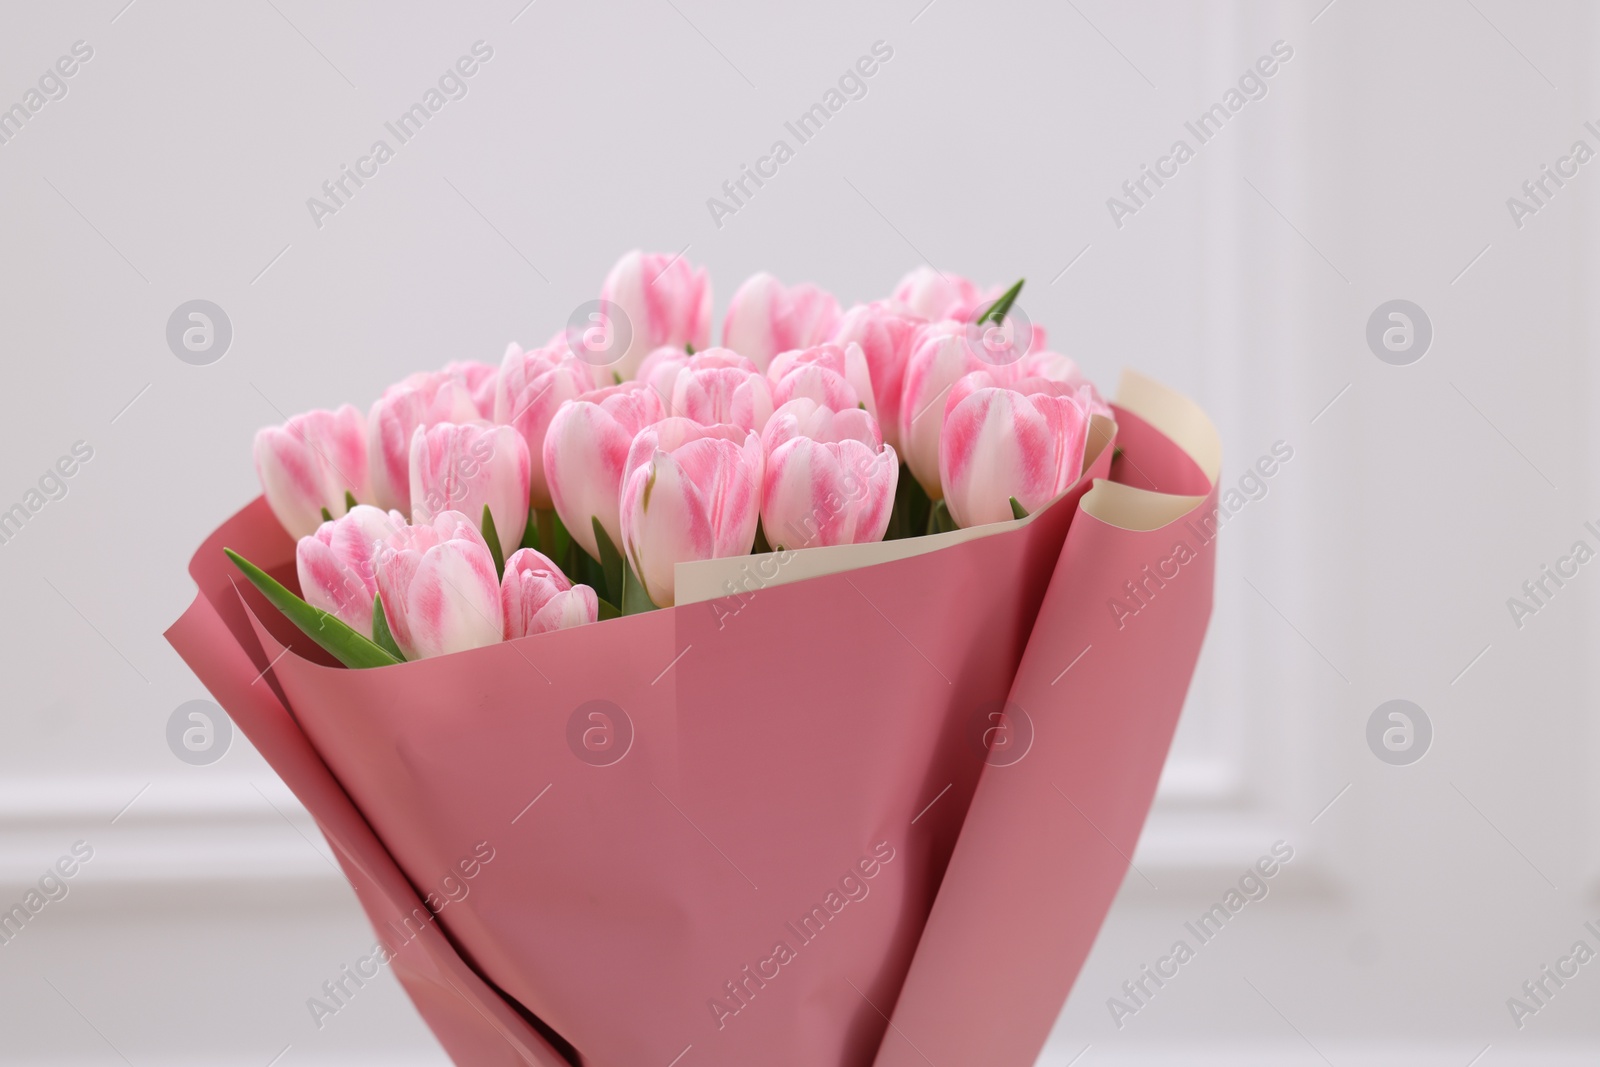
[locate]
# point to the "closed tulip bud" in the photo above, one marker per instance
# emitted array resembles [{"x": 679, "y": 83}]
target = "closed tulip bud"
[
  {"x": 689, "y": 492},
  {"x": 765, "y": 318},
  {"x": 585, "y": 451},
  {"x": 536, "y": 597},
  {"x": 721, "y": 386},
  {"x": 939, "y": 358},
  {"x": 530, "y": 389},
  {"x": 467, "y": 466},
  {"x": 932, "y": 295},
  {"x": 885, "y": 335},
  {"x": 1025, "y": 440},
  {"x": 833, "y": 375},
  {"x": 310, "y": 463},
  {"x": 805, "y": 417},
  {"x": 440, "y": 591},
  {"x": 424, "y": 400},
  {"x": 667, "y": 301},
  {"x": 827, "y": 493},
  {"x": 338, "y": 564}
]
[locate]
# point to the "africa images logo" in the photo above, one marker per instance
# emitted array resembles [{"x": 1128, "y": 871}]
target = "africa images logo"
[{"x": 853, "y": 886}]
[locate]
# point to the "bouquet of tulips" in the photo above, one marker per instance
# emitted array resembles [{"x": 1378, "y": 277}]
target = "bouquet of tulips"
[
  {"x": 475, "y": 504},
  {"x": 674, "y": 657}
]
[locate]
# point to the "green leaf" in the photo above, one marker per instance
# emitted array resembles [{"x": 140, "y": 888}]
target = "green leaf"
[
  {"x": 610, "y": 561},
  {"x": 761, "y": 545},
  {"x": 382, "y": 636},
  {"x": 616, "y": 377},
  {"x": 492, "y": 536},
  {"x": 1017, "y": 510},
  {"x": 608, "y": 610},
  {"x": 634, "y": 598},
  {"x": 349, "y": 500},
  {"x": 939, "y": 520},
  {"x": 530, "y": 532},
  {"x": 327, "y": 516},
  {"x": 343, "y": 643},
  {"x": 688, "y": 348},
  {"x": 997, "y": 310}
]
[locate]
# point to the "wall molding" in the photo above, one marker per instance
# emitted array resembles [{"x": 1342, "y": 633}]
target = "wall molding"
[{"x": 176, "y": 830}]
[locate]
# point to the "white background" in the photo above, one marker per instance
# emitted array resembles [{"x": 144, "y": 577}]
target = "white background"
[{"x": 1378, "y": 566}]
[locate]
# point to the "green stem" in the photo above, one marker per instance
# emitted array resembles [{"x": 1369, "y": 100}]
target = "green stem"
[{"x": 547, "y": 531}]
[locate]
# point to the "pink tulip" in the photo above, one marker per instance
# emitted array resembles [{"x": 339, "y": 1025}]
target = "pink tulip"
[
  {"x": 666, "y": 302},
  {"x": 585, "y": 451},
  {"x": 479, "y": 379},
  {"x": 766, "y": 318},
  {"x": 660, "y": 370},
  {"x": 805, "y": 417},
  {"x": 885, "y": 335},
  {"x": 423, "y": 399},
  {"x": 827, "y": 492},
  {"x": 939, "y": 358},
  {"x": 719, "y": 358},
  {"x": 933, "y": 295},
  {"x": 465, "y": 466},
  {"x": 1059, "y": 368},
  {"x": 722, "y": 386},
  {"x": 440, "y": 591},
  {"x": 1025, "y": 440},
  {"x": 833, "y": 375},
  {"x": 309, "y": 463},
  {"x": 536, "y": 597},
  {"x": 689, "y": 492},
  {"x": 338, "y": 564},
  {"x": 531, "y": 387}
]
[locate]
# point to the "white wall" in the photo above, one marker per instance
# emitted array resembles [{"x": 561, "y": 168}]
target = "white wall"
[{"x": 1377, "y": 566}]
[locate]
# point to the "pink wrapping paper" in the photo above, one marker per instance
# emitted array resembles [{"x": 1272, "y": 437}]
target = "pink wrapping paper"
[{"x": 699, "y": 836}]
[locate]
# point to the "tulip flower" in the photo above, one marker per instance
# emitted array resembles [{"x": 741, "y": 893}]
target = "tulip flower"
[
  {"x": 536, "y": 597},
  {"x": 933, "y": 295},
  {"x": 467, "y": 466},
  {"x": 1024, "y": 441},
  {"x": 885, "y": 335},
  {"x": 660, "y": 370},
  {"x": 584, "y": 454},
  {"x": 827, "y": 492},
  {"x": 666, "y": 301},
  {"x": 689, "y": 492},
  {"x": 805, "y": 417},
  {"x": 721, "y": 386},
  {"x": 479, "y": 380},
  {"x": 833, "y": 375},
  {"x": 440, "y": 591},
  {"x": 530, "y": 388},
  {"x": 310, "y": 463},
  {"x": 1059, "y": 368},
  {"x": 766, "y": 318},
  {"x": 338, "y": 564},
  {"x": 939, "y": 357},
  {"x": 421, "y": 400}
]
